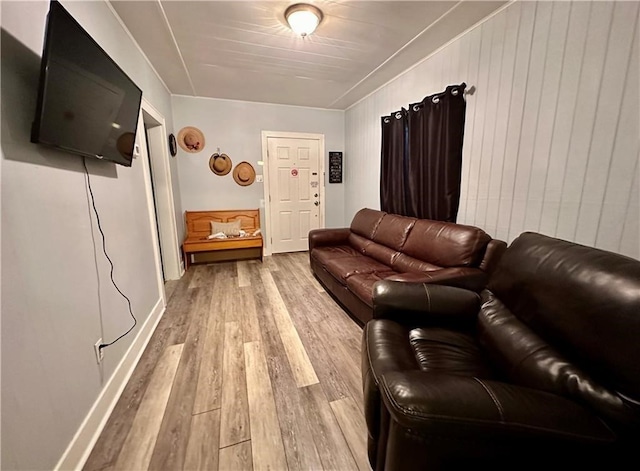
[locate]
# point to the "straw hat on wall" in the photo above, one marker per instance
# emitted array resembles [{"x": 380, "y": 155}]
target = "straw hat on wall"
[
  {"x": 244, "y": 174},
  {"x": 220, "y": 164},
  {"x": 191, "y": 139}
]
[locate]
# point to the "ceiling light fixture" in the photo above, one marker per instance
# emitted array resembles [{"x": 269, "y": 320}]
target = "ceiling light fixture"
[{"x": 303, "y": 19}]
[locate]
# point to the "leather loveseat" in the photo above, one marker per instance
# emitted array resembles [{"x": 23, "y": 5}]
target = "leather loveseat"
[
  {"x": 378, "y": 245},
  {"x": 541, "y": 371}
]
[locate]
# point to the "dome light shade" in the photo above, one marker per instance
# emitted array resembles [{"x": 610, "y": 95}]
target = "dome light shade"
[{"x": 303, "y": 19}]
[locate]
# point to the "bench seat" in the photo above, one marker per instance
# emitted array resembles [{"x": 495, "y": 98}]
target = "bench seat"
[{"x": 198, "y": 227}]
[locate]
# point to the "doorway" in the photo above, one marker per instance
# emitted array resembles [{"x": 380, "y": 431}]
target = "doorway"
[
  {"x": 161, "y": 190},
  {"x": 294, "y": 189}
]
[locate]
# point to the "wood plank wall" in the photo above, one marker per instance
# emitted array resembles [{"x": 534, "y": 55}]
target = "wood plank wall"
[{"x": 552, "y": 131}]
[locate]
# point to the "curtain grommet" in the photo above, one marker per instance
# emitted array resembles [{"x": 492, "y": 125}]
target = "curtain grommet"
[
  {"x": 455, "y": 92},
  {"x": 435, "y": 100},
  {"x": 398, "y": 115}
]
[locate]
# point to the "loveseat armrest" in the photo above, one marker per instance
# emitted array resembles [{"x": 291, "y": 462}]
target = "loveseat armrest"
[
  {"x": 434, "y": 417},
  {"x": 424, "y": 303},
  {"x": 492, "y": 255},
  {"x": 472, "y": 279},
  {"x": 320, "y": 237}
]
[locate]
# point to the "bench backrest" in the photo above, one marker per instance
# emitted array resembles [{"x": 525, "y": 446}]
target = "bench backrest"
[{"x": 198, "y": 223}]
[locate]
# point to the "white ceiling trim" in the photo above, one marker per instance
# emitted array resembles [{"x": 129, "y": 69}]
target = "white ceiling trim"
[
  {"x": 478, "y": 24},
  {"x": 173, "y": 38},
  {"x": 126, "y": 30},
  {"x": 394, "y": 55},
  {"x": 179, "y": 95}
]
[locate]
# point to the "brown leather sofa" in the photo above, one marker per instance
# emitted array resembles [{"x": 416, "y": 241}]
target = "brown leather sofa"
[
  {"x": 541, "y": 371},
  {"x": 381, "y": 246}
]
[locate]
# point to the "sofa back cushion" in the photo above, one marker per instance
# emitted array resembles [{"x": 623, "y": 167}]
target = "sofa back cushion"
[
  {"x": 566, "y": 318},
  {"x": 393, "y": 231},
  {"x": 366, "y": 221},
  {"x": 404, "y": 263},
  {"x": 381, "y": 253},
  {"x": 359, "y": 243},
  {"x": 446, "y": 244}
]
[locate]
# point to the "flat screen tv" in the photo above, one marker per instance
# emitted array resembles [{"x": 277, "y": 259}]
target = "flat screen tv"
[{"x": 86, "y": 104}]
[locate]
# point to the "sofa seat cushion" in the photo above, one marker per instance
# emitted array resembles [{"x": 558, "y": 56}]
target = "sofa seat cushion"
[
  {"x": 394, "y": 347},
  {"x": 344, "y": 267},
  {"x": 325, "y": 253},
  {"x": 448, "y": 351},
  {"x": 361, "y": 284}
]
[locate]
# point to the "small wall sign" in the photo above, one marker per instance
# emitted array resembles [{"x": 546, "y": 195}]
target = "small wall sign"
[{"x": 335, "y": 167}]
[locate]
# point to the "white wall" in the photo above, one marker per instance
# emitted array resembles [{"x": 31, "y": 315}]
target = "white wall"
[
  {"x": 235, "y": 127},
  {"x": 57, "y": 299},
  {"x": 551, "y": 136}
]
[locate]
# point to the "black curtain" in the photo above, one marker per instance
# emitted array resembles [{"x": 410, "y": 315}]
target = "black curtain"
[
  {"x": 424, "y": 181},
  {"x": 393, "y": 163}
]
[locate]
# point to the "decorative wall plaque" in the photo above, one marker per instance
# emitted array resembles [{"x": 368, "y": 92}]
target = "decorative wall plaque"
[{"x": 335, "y": 167}]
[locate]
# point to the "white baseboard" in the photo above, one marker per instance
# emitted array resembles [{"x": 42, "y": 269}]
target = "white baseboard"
[{"x": 87, "y": 435}]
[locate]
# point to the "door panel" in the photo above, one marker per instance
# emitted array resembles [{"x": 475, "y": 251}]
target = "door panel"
[{"x": 294, "y": 176}]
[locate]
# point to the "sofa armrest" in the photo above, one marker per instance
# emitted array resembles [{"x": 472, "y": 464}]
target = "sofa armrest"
[
  {"x": 424, "y": 303},
  {"x": 439, "y": 404},
  {"x": 319, "y": 237},
  {"x": 472, "y": 279},
  {"x": 492, "y": 255}
]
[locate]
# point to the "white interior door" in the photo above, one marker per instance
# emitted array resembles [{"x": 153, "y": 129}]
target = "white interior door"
[{"x": 294, "y": 191}]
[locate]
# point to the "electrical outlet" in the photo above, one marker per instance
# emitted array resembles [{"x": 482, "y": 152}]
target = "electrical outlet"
[{"x": 98, "y": 350}]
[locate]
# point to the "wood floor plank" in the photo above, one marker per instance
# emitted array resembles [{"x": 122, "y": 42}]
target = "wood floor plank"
[
  {"x": 298, "y": 296},
  {"x": 354, "y": 429},
  {"x": 138, "y": 446},
  {"x": 171, "y": 445},
  {"x": 227, "y": 288},
  {"x": 266, "y": 441},
  {"x": 244, "y": 279},
  {"x": 169, "y": 287},
  {"x": 234, "y": 418},
  {"x": 299, "y": 261},
  {"x": 330, "y": 442},
  {"x": 249, "y": 315},
  {"x": 299, "y": 361},
  {"x": 296, "y": 434},
  {"x": 342, "y": 354},
  {"x": 202, "y": 448},
  {"x": 209, "y": 384},
  {"x": 201, "y": 273},
  {"x": 329, "y": 372},
  {"x": 269, "y": 263},
  {"x": 236, "y": 458},
  {"x": 170, "y": 330}
]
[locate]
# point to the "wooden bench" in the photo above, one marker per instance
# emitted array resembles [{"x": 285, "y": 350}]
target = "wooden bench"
[{"x": 198, "y": 227}]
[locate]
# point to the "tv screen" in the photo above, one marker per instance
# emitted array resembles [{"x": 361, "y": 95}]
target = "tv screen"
[{"x": 86, "y": 104}]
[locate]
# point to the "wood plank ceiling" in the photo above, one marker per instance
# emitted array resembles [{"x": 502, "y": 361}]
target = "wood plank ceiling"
[{"x": 243, "y": 50}]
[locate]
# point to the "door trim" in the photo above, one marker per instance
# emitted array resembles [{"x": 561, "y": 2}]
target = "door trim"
[
  {"x": 159, "y": 160},
  {"x": 265, "y": 172}
]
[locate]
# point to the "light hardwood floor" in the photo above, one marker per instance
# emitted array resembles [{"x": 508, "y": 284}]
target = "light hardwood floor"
[{"x": 253, "y": 366}]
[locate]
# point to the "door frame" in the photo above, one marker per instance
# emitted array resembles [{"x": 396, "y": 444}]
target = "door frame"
[
  {"x": 159, "y": 176},
  {"x": 265, "y": 171}
]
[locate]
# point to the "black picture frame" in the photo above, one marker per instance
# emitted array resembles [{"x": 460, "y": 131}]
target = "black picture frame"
[{"x": 335, "y": 167}]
